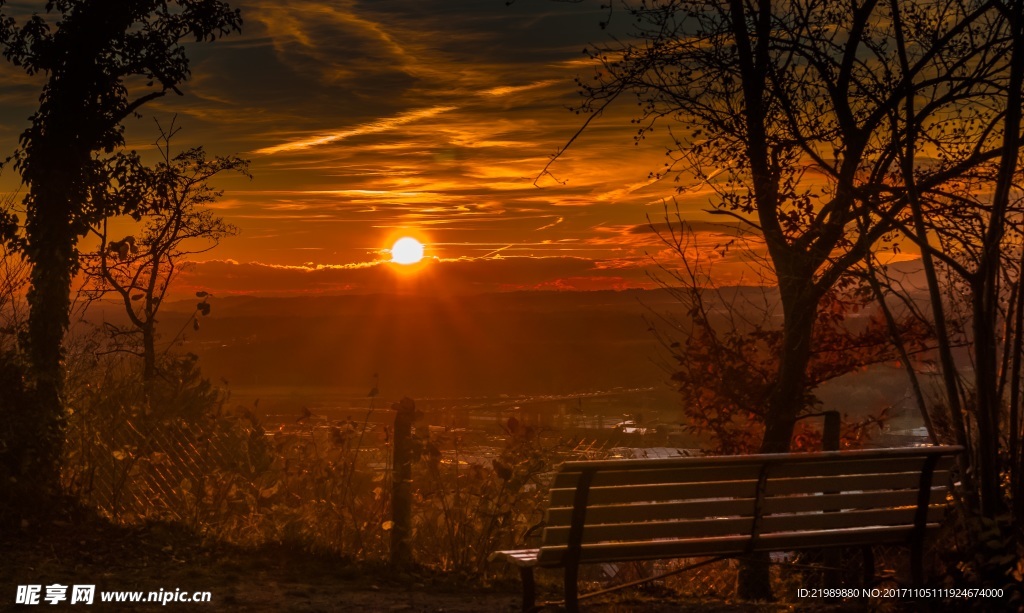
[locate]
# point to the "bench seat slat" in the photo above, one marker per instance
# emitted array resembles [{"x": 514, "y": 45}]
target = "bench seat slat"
[
  {"x": 652, "y": 530},
  {"x": 652, "y": 493},
  {"x": 729, "y": 545},
  {"x": 696, "y": 529},
  {"x": 851, "y": 500},
  {"x": 740, "y": 472},
  {"x": 516, "y": 557},
  {"x": 563, "y": 497},
  {"x": 848, "y": 483},
  {"x": 742, "y": 507},
  {"x": 622, "y": 513},
  {"x": 896, "y": 455},
  {"x": 655, "y": 476}
]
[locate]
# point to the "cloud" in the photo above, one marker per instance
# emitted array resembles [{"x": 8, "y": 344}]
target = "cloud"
[
  {"x": 373, "y": 127},
  {"x": 506, "y": 90},
  {"x": 552, "y": 224},
  {"x": 433, "y": 277}
]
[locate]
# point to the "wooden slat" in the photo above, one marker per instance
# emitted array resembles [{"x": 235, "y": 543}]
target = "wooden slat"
[
  {"x": 742, "y": 489},
  {"x": 623, "y": 513},
  {"x": 798, "y": 522},
  {"x": 690, "y": 529},
  {"x": 654, "y": 493},
  {"x": 849, "y": 500},
  {"x": 834, "y": 468},
  {"x": 896, "y": 454},
  {"x": 647, "y": 531},
  {"x": 517, "y": 557},
  {"x": 674, "y": 474},
  {"x": 729, "y": 545},
  {"x": 683, "y": 471},
  {"x": 812, "y": 485},
  {"x": 741, "y": 507}
]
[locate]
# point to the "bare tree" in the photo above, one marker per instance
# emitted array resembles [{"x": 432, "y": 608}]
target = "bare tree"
[
  {"x": 176, "y": 224},
  {"x": 794, "y": 114},
  {"x": 786, "y": 112},
  {"x": 725, "y": 344},
  {"x": 969, "y": 230}
]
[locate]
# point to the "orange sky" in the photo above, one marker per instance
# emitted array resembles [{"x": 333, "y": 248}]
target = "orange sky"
[{"x": 366, "y": 121}]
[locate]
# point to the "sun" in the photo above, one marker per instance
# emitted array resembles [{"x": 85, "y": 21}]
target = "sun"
[{"x": 407, "y": 251}]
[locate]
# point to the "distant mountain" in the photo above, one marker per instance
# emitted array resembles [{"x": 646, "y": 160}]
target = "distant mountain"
[{"x": 516, "y": 342}]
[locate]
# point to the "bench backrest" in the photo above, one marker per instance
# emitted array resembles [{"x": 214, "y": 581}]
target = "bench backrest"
[{"x": 618, "y": 510}]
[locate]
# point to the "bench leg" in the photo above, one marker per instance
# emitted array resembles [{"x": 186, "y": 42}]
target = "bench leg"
[
  {"x": 868, "y": 560},
  {"x": 917, "y": 564},
  {"x": 572, "y": 572},
  {"x": 529, "y": 587}
]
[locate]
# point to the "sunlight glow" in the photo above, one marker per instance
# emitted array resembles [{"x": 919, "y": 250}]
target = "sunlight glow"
[{"x": 407, "y": 251}]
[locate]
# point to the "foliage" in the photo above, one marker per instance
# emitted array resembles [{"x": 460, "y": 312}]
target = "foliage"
[
  {"x": 138, "y": 270},
  {"x": 102, "y": 61},
  {"x": 779, "y": 110},
  {"x": 175, "y": 453},
  {"x": 124, "y": 436},
  {"x": 16, "y": 478},
  {"x": 468, "y": 509},
  {"x": 15, "y": 475},
  {"x": 726, "y": 351},
  {"x": 979, "y": 552}
]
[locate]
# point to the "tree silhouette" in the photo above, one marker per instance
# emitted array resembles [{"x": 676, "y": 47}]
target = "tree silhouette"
[
  {"x": 138, "y": 270},
  {"x": 794, "y": 114},
  {"x": 970, "y": 233},
  {"x": 725, "y": 347},
  {"x": 102, "y": 61},
  {"x": 787, "y": 113}
]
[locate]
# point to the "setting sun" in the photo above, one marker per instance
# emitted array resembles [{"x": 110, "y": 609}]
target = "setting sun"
[{"x": 407, "y": 251}]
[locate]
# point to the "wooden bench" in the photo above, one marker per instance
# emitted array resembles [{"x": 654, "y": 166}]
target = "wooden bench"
[{"x": 730, "y": 506}]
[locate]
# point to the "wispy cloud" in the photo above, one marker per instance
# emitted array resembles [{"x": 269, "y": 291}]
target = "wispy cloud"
[
  {"x": 381, "y": 125},
  {"x": 552, "y": 224},
  {"x": 506, "y": 90}
]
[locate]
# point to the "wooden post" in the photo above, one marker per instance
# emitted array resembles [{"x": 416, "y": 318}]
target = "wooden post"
[
  {"x": 401, "y": 484},
  {"x": 830, "y": 435}
]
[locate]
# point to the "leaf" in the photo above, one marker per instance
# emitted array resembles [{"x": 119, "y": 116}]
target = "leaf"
[
  {"x": 119, "y": 454},
  {"x": 201, "y": 294},
  {"x": 195, "y": 324},
  {"x": 138, "y": 296},
  {"x": 388, "y": 525},
  {"x": 270, "y": 491}
]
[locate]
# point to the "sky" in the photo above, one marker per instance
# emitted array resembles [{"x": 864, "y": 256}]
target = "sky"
[{"x": 366, "y": 121}]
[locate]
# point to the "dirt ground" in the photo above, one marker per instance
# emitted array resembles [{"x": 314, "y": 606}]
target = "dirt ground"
[{"x": 267, "y": 579}]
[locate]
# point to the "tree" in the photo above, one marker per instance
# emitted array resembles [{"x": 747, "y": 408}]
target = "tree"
[
  {"x": 725, "y": 346},
  {"x": 102, "y": 62},
  {"x": 139, "y": 270},
  {"x": 759, "y": 97},
  {"x": 970, "y": 232},
  {"x": 793, "y": 113}
]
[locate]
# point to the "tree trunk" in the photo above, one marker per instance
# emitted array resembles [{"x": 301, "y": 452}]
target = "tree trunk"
[
  {"x": 800, "y": 306},
  {"x": 51, "y": 251},
  {"x": 149, "y": 351}
]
